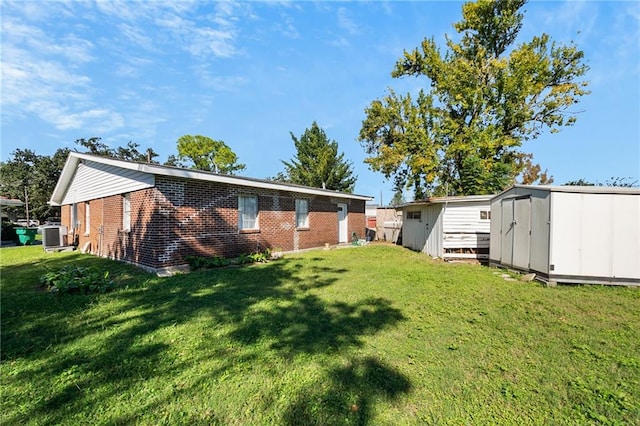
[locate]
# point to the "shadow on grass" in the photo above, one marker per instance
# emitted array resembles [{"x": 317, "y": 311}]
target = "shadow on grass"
[
  {"x": 362, "y": 383},
  {"x": 78, "y": 350}
]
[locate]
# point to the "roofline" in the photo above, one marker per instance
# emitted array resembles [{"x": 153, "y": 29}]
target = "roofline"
[
  {"x": 450, "y": 199},
  {"x": 155, "y": 169},
  {"x": 577, "y": 189}
]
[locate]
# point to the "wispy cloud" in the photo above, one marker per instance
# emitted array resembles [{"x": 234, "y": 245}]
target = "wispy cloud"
[{"x": 346, "y": 23}]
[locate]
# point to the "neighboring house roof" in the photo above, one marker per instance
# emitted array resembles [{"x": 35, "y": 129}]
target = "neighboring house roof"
[
  {"x": 447, "y": 200},
  {"x": 135, "y": 176},
  {"x": 578, "y": 189},
  {"x": 4, "y": 201}
]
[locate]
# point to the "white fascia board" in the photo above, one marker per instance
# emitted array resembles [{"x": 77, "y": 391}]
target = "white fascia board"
[{"x": 64, "y": 180}]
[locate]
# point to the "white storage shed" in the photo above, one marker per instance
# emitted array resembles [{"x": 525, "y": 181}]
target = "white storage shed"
[
  {"x": 448, "y": 227},
  {"x": 572, "y": 234}
]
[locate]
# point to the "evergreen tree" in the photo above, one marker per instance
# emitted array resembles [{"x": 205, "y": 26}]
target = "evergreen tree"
[{"x": 318, "y": 164}]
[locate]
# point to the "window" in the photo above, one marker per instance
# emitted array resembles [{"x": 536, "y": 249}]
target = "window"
[
  {"x": 413, "y": 215},
  {"x": 302, "y": 213},
  {"x": 247, "y": 212},
  {"x": 126, "y": 212},
  {"x": 74, "y": 216},
  {"x": 485, "y": 214},
  {"x": 87, "y": 218}
]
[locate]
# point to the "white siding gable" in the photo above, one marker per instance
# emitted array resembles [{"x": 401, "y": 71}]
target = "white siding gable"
[{"x": 96, "y": 180}]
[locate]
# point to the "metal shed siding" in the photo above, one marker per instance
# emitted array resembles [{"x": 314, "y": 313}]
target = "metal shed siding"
[
  {"x": 596, "y": 235},
  {"x": 94, "y": 180},
  {"x": 413, "y": 231},
  {"x": 463, "y": 228},
  {"x": 465, "y": 218},
  {"x": 569, "y": 235},
  {"x": 433, "y": 226},
  {"x": 448, "y": 224},
  {"x": 625, "y": 256},
  {"x": 540, "y": 221}
]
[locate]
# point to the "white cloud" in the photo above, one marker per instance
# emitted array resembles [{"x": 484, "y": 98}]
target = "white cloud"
[{"x": 346, "y": 23}]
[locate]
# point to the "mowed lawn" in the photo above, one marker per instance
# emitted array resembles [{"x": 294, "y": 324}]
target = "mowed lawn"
[{"x": 367, "y": 335}]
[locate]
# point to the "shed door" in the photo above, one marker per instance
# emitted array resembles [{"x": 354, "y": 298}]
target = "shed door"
[
  {"x": 506, "y": 227},
  {"x": 343, "y": 226},
  {"x": 521, "y": 233},
  {"x": 516, "y": 232}
]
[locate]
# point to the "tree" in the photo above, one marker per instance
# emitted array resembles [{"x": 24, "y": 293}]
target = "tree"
[
  {"x": 94, "y": 145},
  {"x": 532, "y": 173},
  {"x": 32, "y": 178},
  {"x": 317, "y": 162},
  {"x": 204, "y": 153},
  {"x": 485, "y": 97},
  {"x": 398, "y": 199},
  {"x": 624, "y": 182}
]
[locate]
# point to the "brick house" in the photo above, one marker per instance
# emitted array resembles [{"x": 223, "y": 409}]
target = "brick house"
[{"x": 154, "y": 215}]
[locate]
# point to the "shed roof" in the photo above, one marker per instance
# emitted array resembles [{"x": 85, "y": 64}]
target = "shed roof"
[
  {"x": 4, "y": 201},
  {"x": 75, "y": 158},
  {"x": 446, "y": 200},
  {"x": 575, "y": 189}
]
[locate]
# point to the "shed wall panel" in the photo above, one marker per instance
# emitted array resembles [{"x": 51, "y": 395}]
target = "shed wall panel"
[
  {"x": 540, "y": 221},
  {"x": 465, "y": 217},
  {"x": 433, "y": 230},
  {"x": 625, "y": 256},
  {"x": 495, "y": 242}
]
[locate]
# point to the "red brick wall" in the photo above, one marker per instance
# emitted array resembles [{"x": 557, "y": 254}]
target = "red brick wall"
[{"x": 178, "y": 218}]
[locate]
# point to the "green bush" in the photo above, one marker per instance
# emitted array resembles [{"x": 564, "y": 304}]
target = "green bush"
[
  {"x": 77, "y": 280},
  {"x": 200, "y": 262}
]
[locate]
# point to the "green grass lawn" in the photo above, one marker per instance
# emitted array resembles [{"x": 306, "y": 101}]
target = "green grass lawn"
[{"x": 369, "y": 335}]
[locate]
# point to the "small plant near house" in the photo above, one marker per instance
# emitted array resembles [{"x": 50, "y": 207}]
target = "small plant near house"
[
  {"x": 77, "y": 280},
  {"x": 200, "y": 262},
  {"x": 261, "y": 256}
]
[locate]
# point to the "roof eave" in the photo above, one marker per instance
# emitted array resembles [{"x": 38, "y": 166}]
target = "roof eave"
[{"x": 74, "y": 158}]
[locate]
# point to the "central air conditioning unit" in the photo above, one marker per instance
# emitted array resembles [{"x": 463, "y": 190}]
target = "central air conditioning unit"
[{"x": 54, "y": 236}]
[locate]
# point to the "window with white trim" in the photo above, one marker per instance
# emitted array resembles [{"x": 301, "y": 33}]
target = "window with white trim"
[
  {"x": 87, "y": 218},
  {"x": 74, "y": 216},
  {"x": 247, "y": 212},
  {"x": 485, "y": 214},
  {"x": 302, "y": 213},
  {"x": 126, "y": 212}
]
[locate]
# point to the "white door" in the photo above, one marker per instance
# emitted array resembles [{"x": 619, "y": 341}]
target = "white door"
[{"x": 343, "y": 226}]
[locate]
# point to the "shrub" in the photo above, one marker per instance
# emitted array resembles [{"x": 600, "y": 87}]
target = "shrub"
[
  {"x": 78, "y": 280},
  {"x": 200, "y": 262}
]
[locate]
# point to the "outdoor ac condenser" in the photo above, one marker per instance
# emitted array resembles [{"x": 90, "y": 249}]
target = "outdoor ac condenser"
[{"x": 54, "y": 236}]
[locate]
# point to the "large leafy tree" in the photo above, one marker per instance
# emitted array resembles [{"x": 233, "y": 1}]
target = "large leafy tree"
[
  {"x": 317, "y": 163},
  {"x": 32, "y": 178},
  {"x": 484, "y": 97},
  {"x": 130, "y": 152},
  {"x": 203, "y": 153}
]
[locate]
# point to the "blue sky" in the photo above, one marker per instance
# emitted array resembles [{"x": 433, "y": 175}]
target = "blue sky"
[{"x": 249, "y": 73}]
